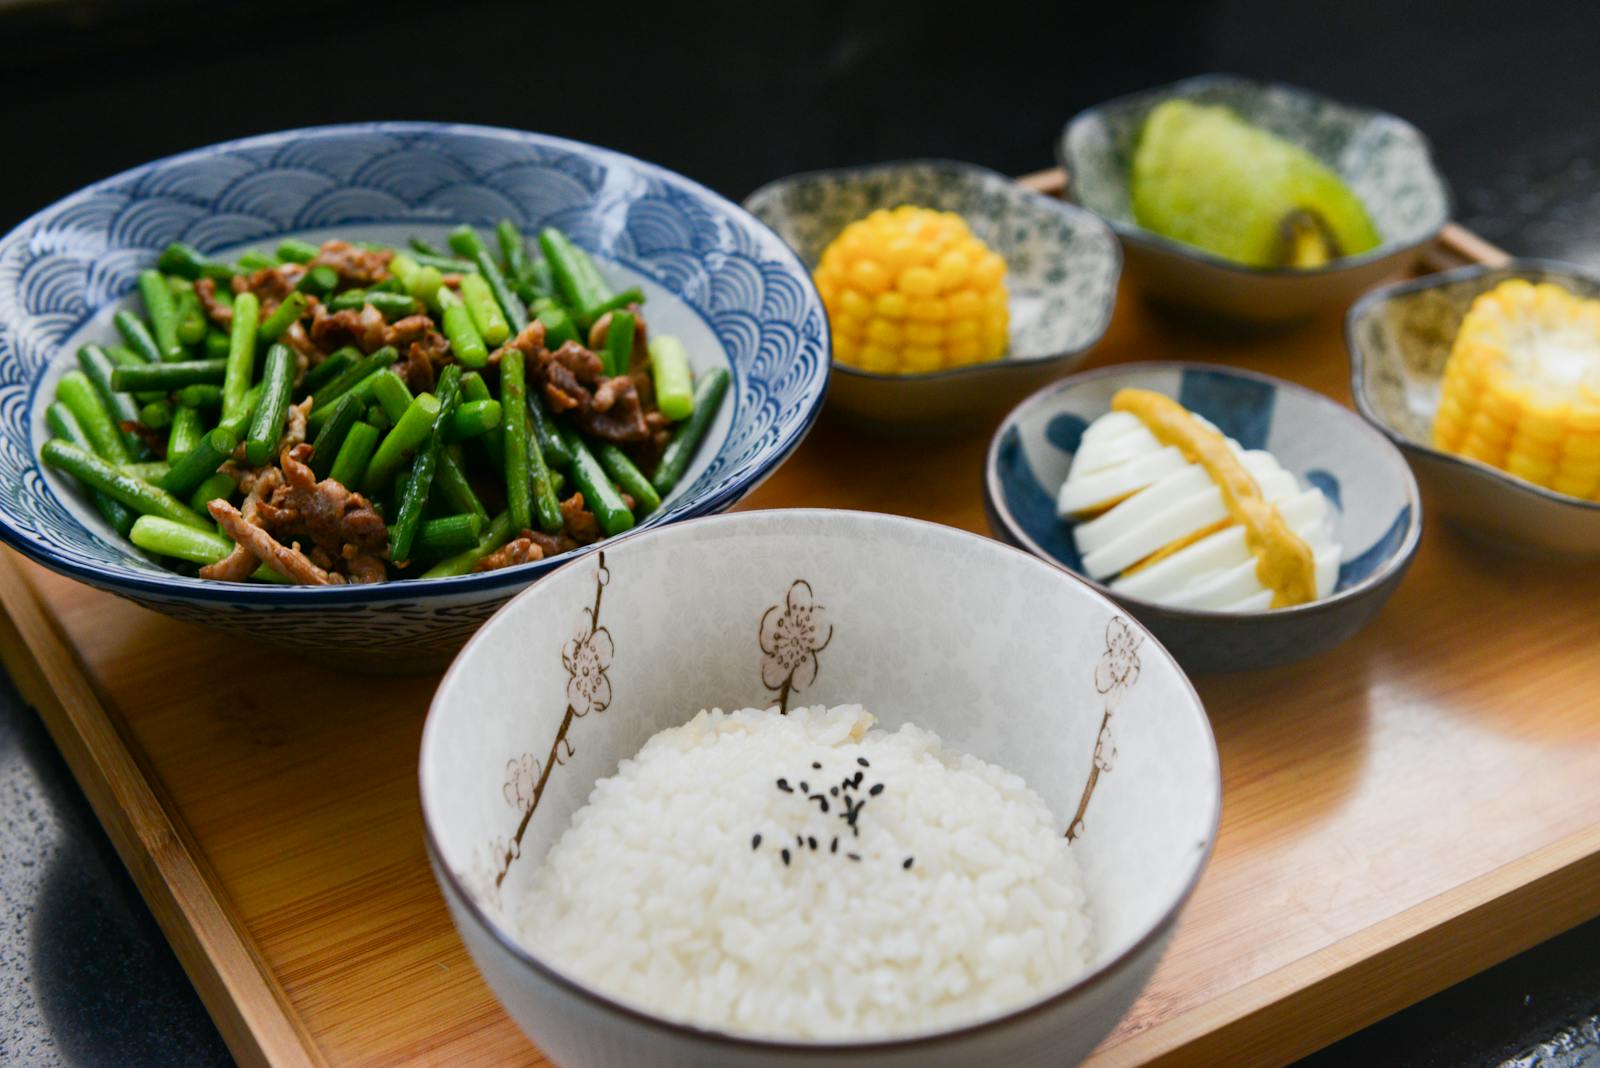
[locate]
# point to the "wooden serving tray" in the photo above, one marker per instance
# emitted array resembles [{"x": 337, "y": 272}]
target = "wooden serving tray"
[{"x": 1400, "y": 813}]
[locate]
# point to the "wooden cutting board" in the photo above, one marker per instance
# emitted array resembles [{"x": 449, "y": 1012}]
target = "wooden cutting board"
[{"x": 1399, "y": 813}]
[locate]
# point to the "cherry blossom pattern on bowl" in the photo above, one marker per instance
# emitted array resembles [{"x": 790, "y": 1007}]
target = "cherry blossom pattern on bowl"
[{"x": 916, "y": 622}]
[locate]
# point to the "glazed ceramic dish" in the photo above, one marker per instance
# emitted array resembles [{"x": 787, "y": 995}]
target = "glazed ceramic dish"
[
  {"x": 1377, "y": 510},
  {"x": 1062, "y": 266},
  {"x": 716, "y": 278},
  {"x": 1399, "y": 339},
  {"x": 1384, "y": 160},
  {"x": 1003, "y": 656}
]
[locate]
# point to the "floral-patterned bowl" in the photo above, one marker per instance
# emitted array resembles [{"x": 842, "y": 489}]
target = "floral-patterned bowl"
[
  {"x": 1062, "y": 266},
  {"x": 1378, "y": 512},
  {"x": 714, "y": 276},
  {"x": 1384, "y": 160},
  {"x": 1003, "y": 656},
  {"x": 1399, "y": 339}
]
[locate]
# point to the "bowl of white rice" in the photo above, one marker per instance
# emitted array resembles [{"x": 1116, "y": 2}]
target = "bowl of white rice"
[{"x": 815, "y": 787}]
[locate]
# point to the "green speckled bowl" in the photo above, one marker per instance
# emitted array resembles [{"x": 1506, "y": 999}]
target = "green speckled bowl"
[
  {"x": 1062, "y": 266},
  {"x": 1385, "y": 160},
  {"x": 1399, "y": 339}
]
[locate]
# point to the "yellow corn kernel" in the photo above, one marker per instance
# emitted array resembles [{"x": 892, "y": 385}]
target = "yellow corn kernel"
[
  {"x": 964, "y": 303},
  {"x": 879, "y": 359},
  {"x": 869, "y": 277},
  {"x": 854, "y": 304},
  {"x": 1521, "y": 386},
  {"x": 919, "y": 282},
  {"x": 952, "y": 270},
  {"x": 911, "y": 290},
  {"x": 848, "y": 325},
  {"x": 885, "y": 332},
  {"x": 963, "y": 329}
]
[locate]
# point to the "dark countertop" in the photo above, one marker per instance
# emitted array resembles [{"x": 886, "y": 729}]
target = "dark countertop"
[{"x": 95, "y": 86}]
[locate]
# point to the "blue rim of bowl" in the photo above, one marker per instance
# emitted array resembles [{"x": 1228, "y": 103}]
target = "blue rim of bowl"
[
  {"x": 1091, "y": 978},
  {"x": 1396, "y": 563},
  {"x": 125, "y": 580},
  {"x": 1139, "y": 235},
  {"x": 1516, "y": 268},
  {"x": 1058, "y": 204}
]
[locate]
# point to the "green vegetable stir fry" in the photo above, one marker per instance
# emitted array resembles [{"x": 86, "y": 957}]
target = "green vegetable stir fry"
[{"x": 354, "y": 413}]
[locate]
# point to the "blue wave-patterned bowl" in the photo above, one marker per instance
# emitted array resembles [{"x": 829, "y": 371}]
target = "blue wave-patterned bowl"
[
  {"x": 714, "y": 276},
  {"x": 1377, "y": 520}
]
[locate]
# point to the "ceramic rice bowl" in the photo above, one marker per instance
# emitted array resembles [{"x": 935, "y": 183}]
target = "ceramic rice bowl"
[{"x": 1003, "y": 656}]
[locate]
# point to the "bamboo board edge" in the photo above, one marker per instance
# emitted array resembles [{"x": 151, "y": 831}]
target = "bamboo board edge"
[
  {"x": 1328, "y": 995},
  {"x": 241, "y": 995}
]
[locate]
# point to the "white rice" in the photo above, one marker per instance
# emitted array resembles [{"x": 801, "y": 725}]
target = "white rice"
[{"x": 656, "y": 896}]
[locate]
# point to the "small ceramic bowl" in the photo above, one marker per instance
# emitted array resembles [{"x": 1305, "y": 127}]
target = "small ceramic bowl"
[
  {"x": 1399, "y": 338},
  {"x": 1385, "y": 160},
  {"x": 1377, "y": 510},
  {"x": 1062, "y": 266},
  {"x": 714, "y": 276},
  {"x": 1003, "y": 656}
]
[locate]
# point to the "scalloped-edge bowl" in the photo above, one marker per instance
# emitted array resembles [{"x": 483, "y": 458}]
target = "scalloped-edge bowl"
[
  {"x": 715, "y": 276},
  {"x": 1399, "y": 339},
  {"x": 1062, "y": 266},
  {"x": 1384, "y": 159},
  {"x": 1004, "y": 657},
  {"x": 1377, "y": 509}
]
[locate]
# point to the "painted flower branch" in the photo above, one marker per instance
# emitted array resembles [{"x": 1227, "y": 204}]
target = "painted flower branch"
[
  {"x": 1116, "y": 673},
  {"x": 587, "y": 659}
]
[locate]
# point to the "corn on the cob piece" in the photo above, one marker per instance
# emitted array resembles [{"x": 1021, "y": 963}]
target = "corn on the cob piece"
[
  {"x": 913, "y": 290},
  {"x": 1521, "y": 388}
]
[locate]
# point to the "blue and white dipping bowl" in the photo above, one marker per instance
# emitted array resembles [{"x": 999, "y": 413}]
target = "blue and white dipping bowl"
[
  {"x": 1376, "y": 505},
  {"x": 714, "y": 276}
]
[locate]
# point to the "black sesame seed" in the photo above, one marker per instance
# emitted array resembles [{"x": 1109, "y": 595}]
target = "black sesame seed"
[
  {"x": 755, "y": 843},
  {"x": 815, "y": 765},
  {"x": 805, "y": 788},
  {"x": 857, "y": 781},
  {"x": 907, "y": 864},
  {"x": 812, "y": 842},
  {"x": 876, "y": 790},
  {"x": 785, "y": 858},
  {"x": 822, "y": 802},
  {"x": 863, "y": 762},
  {"x": 834, "y": 848},
  {"x": 853, "y": 856},
  {"x": 833, "y": 791},
  {"x": 800, "y": 841},
  {"x": 783, "y": 784}
]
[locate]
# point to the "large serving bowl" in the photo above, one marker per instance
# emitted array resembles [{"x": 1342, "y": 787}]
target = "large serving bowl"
[
  {"x": 1377, "y": 510},
  {"x": 1002, "y": 655},
  {"x": 1400, "y": 337},
  {"x": 1384, "y": 160},
  {"x": 1062, "y": 266},
  {"x": 714, "y": 276}
]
